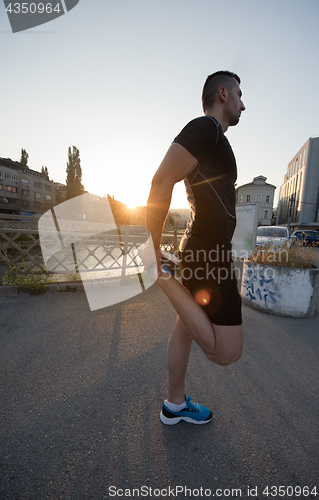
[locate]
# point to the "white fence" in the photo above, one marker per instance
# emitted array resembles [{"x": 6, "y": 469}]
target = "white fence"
[{"x": 115, "y": 253}]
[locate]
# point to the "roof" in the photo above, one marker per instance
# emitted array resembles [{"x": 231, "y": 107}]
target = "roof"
[
  {"x": 7, "y": 162},
  {"x": 256, "y": 185}
]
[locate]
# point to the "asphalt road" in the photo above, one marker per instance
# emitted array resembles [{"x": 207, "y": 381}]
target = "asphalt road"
[{"x": 81, "y": 393}]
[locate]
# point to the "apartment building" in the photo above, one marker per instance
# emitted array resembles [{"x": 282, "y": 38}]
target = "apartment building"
[
  {"x": 23, "y": 190},
  {"x": 298, "y": 205},
  {"x": 258, "y": 191}
]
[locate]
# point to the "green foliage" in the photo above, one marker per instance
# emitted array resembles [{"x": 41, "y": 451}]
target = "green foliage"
[
  {"x": 288, "y": 254},
  {"x": 169, "y": 221},
  {"x": 74, "y": 174},
  {"x": 45, "y": 171},
  {"x": 24, "y": 158},
  {"x": 20, "y": 278}
]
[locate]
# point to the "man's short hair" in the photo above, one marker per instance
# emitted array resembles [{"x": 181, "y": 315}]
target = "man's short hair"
[{"x": 212, "y": 84}]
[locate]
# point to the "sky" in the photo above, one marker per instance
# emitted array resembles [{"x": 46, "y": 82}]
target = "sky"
[{"x": 120, "y": 79}]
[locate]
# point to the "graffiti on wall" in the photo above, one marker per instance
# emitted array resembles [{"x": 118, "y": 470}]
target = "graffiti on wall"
[{"x": 259, "y": 285}]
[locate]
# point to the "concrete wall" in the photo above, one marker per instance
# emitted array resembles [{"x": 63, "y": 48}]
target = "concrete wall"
[{"x": 280, "y": 290}]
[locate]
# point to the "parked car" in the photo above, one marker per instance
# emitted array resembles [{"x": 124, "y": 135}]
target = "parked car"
[
  {"x": 308, "y": 237},
  {"x": 277, "y": 234}
]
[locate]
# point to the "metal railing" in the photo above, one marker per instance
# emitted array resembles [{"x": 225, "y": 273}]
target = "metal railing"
[{"x": 98, "y": 252}]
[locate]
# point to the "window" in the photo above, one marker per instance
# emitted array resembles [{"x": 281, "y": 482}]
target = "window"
[
  {"x": 248, "y": 198},
  {"x": 0, "y": 187},
  {"x": 47, "y": 188},
  {"x": 37, "y": 184},
  {"x": 25, "y": 192},
  {"x": 37, "y": 195},
  {"x": 11, "y": 189},
  {"x": 25, "y": 203},
  {"x": 14, "y": 201},
  {"x": 47, "y": 197},
  {"x": 258, "y": 198},
  {"x": 266, "y": 214},
  {"x": 273, "y": 231},
  {"x": 0, "y": 175},
  {"x": 11, "y": 177},
  {"x": 240, "y": 199},
  {"x": 267, "y": 198}
]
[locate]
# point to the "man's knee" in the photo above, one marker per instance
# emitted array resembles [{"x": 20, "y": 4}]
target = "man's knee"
[{"x": 225, "y": 358}]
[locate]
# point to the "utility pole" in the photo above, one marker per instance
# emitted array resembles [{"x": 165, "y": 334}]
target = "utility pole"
[
  {"x": 291, "y": 203},
  {"x": 317, "y": 208}
]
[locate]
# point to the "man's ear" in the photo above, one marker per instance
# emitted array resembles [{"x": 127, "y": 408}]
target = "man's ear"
[{"x": 222, "y": 93}]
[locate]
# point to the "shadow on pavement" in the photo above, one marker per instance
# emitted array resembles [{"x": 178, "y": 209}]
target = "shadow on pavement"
[{"x": 81, "y": 394}]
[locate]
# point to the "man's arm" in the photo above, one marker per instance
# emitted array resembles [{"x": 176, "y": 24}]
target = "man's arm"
[{"x": 176, "y": 165}]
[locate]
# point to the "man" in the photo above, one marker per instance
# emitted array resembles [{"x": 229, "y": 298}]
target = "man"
[{"x": 208, "y": 304}]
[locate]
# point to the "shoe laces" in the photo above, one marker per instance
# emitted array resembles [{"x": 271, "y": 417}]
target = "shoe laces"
[{"x": 190, "y": 405}]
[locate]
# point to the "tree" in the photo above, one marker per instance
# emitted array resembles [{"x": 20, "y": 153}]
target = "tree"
[
  {"x": 74, "y": 174},
  {"x": 45, "y": 171},
  {"x": 24, "y": 158}
]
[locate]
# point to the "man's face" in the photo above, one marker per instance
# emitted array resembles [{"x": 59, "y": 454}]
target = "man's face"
[{"x": 234, "y": 105}]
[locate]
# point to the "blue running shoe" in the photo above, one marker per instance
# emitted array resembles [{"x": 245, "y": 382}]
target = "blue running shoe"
[
  {"x": 170, "y": 262},
  {"x": 193, "y": 413}
]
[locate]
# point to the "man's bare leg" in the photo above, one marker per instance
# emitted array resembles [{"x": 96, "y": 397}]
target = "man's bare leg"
[
  {"x": 178, "y": 350},
  {"x": 221, "y": 344}
]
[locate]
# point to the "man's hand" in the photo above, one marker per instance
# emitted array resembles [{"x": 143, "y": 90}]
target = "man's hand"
[{"x": 151, "y": 258}]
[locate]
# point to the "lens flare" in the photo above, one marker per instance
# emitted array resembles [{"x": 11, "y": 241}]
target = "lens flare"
[{"x": 202, "y": 297}]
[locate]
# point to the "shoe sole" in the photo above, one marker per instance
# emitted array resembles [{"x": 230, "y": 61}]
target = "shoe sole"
[
  {"x": 176, "y": 420},
  {"x": 171, "y": 257},
  {"x": 170, "y": 262}
]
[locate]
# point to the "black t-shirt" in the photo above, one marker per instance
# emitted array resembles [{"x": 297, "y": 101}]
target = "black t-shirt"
[{"x": 210, "y": 187}]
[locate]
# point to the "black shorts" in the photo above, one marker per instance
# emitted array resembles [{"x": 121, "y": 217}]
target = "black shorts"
[{"x": 214, "y": 286}]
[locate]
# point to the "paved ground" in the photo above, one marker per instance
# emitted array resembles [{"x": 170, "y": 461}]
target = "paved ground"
[{"x": 81, "y": 393}]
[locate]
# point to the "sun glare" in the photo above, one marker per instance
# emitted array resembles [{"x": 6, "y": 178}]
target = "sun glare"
[
  {"x": 131, "y": 206},
  {"x": 131, "y": 201}
]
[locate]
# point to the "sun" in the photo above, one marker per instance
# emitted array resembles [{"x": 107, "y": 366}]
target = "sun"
[
  {"x": 131, "y": 200},
  {"x": 131, "y": 206}
]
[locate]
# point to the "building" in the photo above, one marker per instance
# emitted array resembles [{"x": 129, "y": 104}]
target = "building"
[
  {"x": 25, "y": 191},
  {"x": 61, "y": 193},
  {"x": 258, "y": 191},
  {"x": 298, "y": 205}
]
